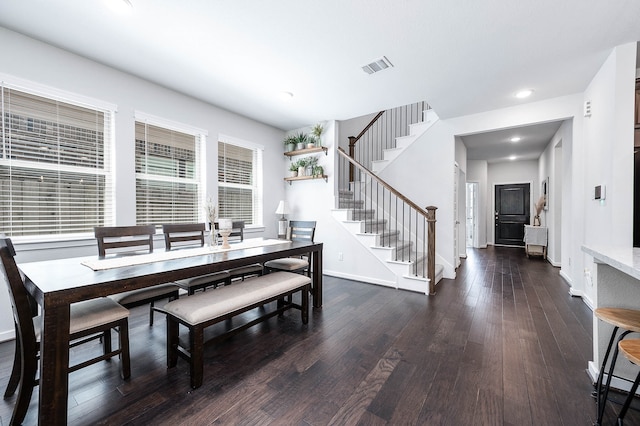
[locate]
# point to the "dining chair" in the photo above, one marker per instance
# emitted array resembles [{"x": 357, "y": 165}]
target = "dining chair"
[
  {"x": 189, "y": 234},
  {"x": 237, "y": 234},
  {"x": 127, "y": 240},
  {"x": 88, "y": 320},
  {"x": 298, "y": 230}
]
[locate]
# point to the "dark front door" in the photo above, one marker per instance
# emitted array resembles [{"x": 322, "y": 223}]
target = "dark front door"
[{"x": 511, "y": 213}]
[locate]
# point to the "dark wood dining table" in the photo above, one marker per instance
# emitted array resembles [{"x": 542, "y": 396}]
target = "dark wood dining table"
[{"x": 55, "y": 284}]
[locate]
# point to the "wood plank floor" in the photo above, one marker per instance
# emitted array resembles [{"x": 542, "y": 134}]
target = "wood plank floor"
[{"x": 502, "y": 344}]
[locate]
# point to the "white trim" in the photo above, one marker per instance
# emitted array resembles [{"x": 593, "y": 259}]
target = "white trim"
[
  {"x": 239, "y": 142},
  {"x": 616, "y": 382},
  {"x": 366, "y": 280},
  {"x": 42, "y": 90},
  {"x": 154, "y": 120},
  {"x": 5, "y": 336}
]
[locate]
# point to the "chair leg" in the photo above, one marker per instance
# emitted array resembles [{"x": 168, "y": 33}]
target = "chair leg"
[
  {"x": 151, "y": 314},
  {"x": 304, "y": 294},
  {"x": 14, "y": 380},
  {"x": 603, "y": 394},
  {"x": 106, "y": 342},
  {"x": 125, "y": 357},
  {"x": 29, "y": 368}
]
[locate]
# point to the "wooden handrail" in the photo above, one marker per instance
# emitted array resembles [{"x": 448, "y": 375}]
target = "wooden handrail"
[
  {"x": 353, "y": 140},
  {"x": 382, "y": 182}
]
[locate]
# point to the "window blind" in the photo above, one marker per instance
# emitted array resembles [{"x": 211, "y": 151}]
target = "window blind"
[
  {"x": 240, "y": 183},
  {"x": 55, "y": 174},
  {"x": 167, "y": 175}
]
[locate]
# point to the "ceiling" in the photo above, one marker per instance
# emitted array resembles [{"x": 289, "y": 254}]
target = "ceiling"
[{"x": 462, "y": 58}]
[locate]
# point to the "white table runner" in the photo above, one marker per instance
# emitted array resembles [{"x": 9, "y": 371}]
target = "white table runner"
[{"x": 118, "y": 262}]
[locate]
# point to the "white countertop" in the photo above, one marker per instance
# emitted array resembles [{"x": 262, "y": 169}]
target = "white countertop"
[{"x": 625, "y": 259}]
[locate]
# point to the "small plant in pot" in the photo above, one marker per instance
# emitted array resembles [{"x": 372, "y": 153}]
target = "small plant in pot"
[
  {"x": 301, "y": 140},
  {"x": 318, "y": 171},
  {"x": 316, "y": 132},
  {"x": 310, "y": 163},
  {"x": 293, "y": 169},
  {"x": 302, "y": 165},
  {"x": 289, "y": 143}
]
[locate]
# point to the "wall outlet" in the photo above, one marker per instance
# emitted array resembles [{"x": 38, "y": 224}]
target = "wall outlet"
[
  {"x": 587, "y": 277},
  {"x": 340, "y": 257}
]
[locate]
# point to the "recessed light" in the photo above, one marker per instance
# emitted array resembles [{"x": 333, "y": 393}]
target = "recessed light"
[
  {"x": 524, "y": 93},
  {"x": 513, "y": 157},
  {"x": 515, "y": 139},
  {"x": 121, "y": 6}
]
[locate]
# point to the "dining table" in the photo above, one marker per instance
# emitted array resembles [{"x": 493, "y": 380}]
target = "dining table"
[{"x": 56, "y": 284}]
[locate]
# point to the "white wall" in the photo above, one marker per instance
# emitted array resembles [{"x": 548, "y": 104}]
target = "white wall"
[
  {"x": 27, "y": 59},
  {"x": 607, "y": 148}
]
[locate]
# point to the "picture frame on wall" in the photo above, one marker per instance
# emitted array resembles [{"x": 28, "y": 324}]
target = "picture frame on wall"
[{"x": 545, "y": 193}]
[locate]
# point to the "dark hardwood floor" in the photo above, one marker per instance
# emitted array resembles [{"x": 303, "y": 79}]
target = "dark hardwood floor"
[{"x": 502, "y": 344}]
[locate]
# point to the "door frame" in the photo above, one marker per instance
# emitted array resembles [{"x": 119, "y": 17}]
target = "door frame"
[
  {"x": 476, "y": 217},
  {"x": 492, "y": 206}
]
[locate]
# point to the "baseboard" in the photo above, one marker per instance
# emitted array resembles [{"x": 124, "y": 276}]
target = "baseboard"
[
  {"x": 593, "y": 371},
  {"x": 554, "y": 263},
  {"x": 366, "y": 280},
  {"x": 7, "y": 335},
  {"x": 566, "y": 277}
]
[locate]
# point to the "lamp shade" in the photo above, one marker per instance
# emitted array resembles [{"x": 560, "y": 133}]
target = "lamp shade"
[{"x": 283, "y": 208}]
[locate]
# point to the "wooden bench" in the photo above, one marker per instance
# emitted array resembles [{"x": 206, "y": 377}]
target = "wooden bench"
[{"x": 201, "y": 310}]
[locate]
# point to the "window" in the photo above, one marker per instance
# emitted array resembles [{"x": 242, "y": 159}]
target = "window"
[
  {"x": 240, "y": 181},
  {"x": 167, "y": 174},
  {"x": 55, "y": 172}
]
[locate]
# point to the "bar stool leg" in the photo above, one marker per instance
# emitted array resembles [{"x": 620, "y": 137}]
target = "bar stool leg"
[
  {"x": 600, "y": 398},
  {"x": 627, "y": 402}
]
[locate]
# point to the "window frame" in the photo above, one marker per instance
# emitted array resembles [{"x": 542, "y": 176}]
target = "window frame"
[
  {"x": 258, "y": 172},
  {"x": 200, "y": 136},
  {"x": 107, "y": 170}
]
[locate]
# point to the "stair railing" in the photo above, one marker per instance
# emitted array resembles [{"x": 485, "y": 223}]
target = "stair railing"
[
  {"x": 382, "y": 131},
  {"x": 398, "y": 221}
]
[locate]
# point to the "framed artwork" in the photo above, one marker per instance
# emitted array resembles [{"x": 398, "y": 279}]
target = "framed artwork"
[{"x": 545, "y": 192}]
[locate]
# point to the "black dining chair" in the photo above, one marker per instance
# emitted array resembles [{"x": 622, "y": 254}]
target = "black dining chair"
[
  {"x": 190, "y": 234},
  {"x": 89, "y": 320},
  {"x": 132, "y": 240},
  {"x": 242, "y": 272},
  {"x": 298, "y": 230}
]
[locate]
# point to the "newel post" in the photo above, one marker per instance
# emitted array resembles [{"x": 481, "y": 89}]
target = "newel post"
[
  {"x": 431, "y": 248},
  {"x": 352, "y": 153}
]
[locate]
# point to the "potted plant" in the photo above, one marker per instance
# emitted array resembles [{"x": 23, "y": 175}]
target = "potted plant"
[
  {"x": 293, "y": 169},
  {"x": 318, "y": 171},
  {"x": 302, "y": 164},
  {"x": 300, "y": 140},
  {"x": 310, "y": 163},
  {"x": 289, "y": 143},
  {"x": 316, "y": 131}
]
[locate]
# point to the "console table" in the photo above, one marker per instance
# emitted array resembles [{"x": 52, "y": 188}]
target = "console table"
[{"x": 535, "y": 240}]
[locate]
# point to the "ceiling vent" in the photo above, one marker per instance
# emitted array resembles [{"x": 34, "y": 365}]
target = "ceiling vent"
[{"x": 377, "y": 65}]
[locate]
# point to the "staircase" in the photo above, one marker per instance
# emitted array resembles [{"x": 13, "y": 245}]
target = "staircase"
[{"x": 402, "y": 254}]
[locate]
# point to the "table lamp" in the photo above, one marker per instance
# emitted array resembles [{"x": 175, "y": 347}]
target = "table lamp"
[{"x": 282, "y": 209}]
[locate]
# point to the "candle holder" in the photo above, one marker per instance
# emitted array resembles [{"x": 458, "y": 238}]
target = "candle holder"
[{"x": 225, "y": 226}]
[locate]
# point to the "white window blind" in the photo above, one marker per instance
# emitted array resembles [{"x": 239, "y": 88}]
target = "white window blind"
[
  {"x": 240, "y": 183},
  {"x": 167, "y": 175},
  {"x": 55, "y": 174}
]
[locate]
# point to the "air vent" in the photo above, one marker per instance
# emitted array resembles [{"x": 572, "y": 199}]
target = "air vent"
[{"x": 377, "y": 65}]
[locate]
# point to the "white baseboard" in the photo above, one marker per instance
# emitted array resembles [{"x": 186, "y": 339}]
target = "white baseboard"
[
  {"x": 566, "y": 277},
  {"x": 616, "y": 382},
  {"x": 7, "y": 335},
  {"x": 367, "y": 280}
]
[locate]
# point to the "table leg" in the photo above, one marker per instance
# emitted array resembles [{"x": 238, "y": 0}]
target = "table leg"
[
  {"x": 54, "y": 363},
  {"x": 317, "y": 279}
]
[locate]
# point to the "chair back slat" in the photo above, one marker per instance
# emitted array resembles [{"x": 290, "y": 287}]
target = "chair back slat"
[
  {"x": 119, "y": 237},
  {"x": 237, "y": 230},
  {"x": 301, "y": 230},
  {"x": 21, "y": 301},
  {"x": 190, "y": 233}
]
